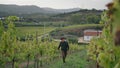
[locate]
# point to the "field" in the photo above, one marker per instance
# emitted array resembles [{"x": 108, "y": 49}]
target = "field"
[
  {"x": 74, "y": 31},
  {"x": 82, "y": 26},
  {"x": 33, "y": 30},
  {"x": 36, "y": 52},
  {"x": 32, "y": 39},
  {"x": 75, "y": 60},
  {"x": 41, "y": 30}
]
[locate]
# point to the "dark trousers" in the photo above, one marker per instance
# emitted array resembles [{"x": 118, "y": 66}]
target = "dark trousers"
[{"x": 64, "y": 54}]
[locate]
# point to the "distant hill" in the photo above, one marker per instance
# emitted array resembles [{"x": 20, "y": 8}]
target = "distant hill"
[
  {"x": 36, "y": 14},
  {"x": 30, "y": 9},
  {"x": 62, "y": 10},
  {"x": 82, "y": 16}
]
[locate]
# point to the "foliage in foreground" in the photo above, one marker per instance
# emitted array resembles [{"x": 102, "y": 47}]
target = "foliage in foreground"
[{"x": 106, "y": 49}]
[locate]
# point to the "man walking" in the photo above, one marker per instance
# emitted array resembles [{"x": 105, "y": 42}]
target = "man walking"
[{"x": 64, "y": 48}]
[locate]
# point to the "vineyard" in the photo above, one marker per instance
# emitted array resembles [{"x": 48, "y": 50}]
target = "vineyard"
[
  {"x": 23, "y": 47},
  {"x": 105, "y": 50},
  {"x": 19, "y": 54},
  {"x": 33, "y": 30}
]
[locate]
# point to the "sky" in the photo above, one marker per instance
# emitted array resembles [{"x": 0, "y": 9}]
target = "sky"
[{"x": 61, "y": 4}]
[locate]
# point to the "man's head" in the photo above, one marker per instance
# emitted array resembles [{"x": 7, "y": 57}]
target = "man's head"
[{"x": 62, "y": 39}]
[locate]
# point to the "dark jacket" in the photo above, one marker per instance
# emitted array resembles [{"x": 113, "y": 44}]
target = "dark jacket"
[{"x": 64, "y": 46}]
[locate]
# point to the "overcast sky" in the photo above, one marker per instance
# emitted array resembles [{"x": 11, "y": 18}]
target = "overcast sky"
[{"x": 61, "y": 4}]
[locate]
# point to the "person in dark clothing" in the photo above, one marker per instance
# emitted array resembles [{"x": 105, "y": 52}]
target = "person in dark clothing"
[{"x": 64, "y": 48}]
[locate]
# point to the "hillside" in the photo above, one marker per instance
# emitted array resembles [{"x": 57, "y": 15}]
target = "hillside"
[
  {"x": 31, "y": 14},
  {"x": 6, "y": 10},
  {"x": 74, "y": 31},
  {"x": 82, "y": 16}
]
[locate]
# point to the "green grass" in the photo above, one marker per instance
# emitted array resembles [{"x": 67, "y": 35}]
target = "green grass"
[
  {"x": 33, "y": 30},
  {"x": 82, "y": 26},
  {"x": 76, "y": 60},
  {"x": 40, "y": 30}
]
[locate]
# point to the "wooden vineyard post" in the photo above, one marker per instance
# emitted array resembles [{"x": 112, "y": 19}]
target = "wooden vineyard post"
[
  {"x": 28, "y": 60},
  {"x": 41, "y": 59},
  {"x": 13, "y": 62},
  {"x": 36, "y": 57},
  {"x": 34, "y": 62}
]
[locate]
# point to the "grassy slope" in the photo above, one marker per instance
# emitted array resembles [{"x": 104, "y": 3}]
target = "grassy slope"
[
  {"x": 33, "y": 30},
  {"x": 76, "y": 60},
  {"x": 40, "y": 30},
  {"x": 82, "y": 26},
  {"x": 74, "y": 30}
]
